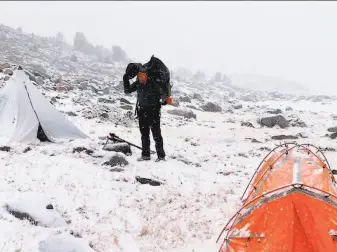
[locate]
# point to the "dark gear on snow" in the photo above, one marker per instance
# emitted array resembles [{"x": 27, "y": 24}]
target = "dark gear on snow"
[{"x": 113, "y": 137}]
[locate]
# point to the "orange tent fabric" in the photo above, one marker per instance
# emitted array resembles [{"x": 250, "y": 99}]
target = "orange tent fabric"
[{"x": 290, "y": 205}]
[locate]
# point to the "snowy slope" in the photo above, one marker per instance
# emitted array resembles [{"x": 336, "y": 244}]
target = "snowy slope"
[{"x": 99, "y": 208}]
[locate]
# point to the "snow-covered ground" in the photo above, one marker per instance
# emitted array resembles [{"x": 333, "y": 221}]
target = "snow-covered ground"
[
  {"x": 113, "y": 212},
  {"x": 76, "y": 202}
]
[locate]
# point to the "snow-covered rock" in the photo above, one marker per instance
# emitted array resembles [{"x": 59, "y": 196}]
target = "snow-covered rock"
[
  {"x": 33, "y": 207},
  {"x": 64, "y": 243}
]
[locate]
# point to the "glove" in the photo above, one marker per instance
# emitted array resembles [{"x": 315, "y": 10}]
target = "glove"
[
  {"x": 131, "y": 70},
  {"x": 163, "y": 101}
]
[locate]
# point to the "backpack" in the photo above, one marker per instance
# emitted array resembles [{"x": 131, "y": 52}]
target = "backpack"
[{"x": 161, "y": 74}]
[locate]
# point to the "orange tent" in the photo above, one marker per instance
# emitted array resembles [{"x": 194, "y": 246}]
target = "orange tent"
[{"x": 290, "y": 205}]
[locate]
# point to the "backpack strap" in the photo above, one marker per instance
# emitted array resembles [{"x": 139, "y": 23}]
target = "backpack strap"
[{"x": 136, "y": 108}]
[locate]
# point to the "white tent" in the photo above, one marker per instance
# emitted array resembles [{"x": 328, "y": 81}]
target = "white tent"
[{"x": 23, "y": 109}]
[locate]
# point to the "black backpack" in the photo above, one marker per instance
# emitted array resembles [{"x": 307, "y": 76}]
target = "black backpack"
[{"x": 157, "y": 70}]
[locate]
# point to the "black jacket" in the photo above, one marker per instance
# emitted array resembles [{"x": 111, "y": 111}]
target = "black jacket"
[{"x": 149, "y": 94}]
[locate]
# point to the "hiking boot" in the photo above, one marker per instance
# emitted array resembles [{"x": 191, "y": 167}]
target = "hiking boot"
[
  {"x": 143, "y": 158},
  {"x": 160, "y": 159}
]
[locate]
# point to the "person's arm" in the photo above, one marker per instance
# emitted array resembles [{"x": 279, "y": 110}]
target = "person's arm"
[{"x": 127, "y": 87}]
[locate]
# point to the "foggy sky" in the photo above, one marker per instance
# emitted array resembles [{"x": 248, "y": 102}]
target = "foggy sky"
[{"x": 293, "y": 40}]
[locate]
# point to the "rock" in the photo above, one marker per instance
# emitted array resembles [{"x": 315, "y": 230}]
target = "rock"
[
  {"x": 265, "y": 149},
  {"x": 283, "y": 137},
  {"x": 49, "y": 207},
  {"x": 57, "y": 78},
  {"x": 32, "y": 207},
  {"x": 289, "y": 109},
  {"x": 119, "y": 147},
  {"x": 126, "y": 107},
  {"x": 81, "y": 149},
  {"x": 38, "y": 70},
  {"x": 297, "y": 123},
  {"x": 106, "y": 91},
  {"x": 39, "y": 80},
  {"x": 117, "y": 170},
  {"x": 185, "y": 99},
  {"x": 8, "y": 71},
  {"x": 182, "y": 113},
  {"x": 248, "y": 98},
  {"x": 211, "y": 107},
  {"x": 274, "y": 120},
  {"x": 116, "y": 160},
  {"x": 275, "y": 112},
  {"x": 148, "y": 181},
  {"x": 103, "y": 100},
  {"x": 237, "y": 106},
  {"x": 73, "y": 58},
  {"x": 123, "y": 100},
  {"x": 253, "y": 140},
  {"x": 327, "y": 149},
  {"x": 27, "y": 149},
  {"x": 6, "y": 78},
  {"x": 31, "y": 76},
  {"x": 247, "y": 124},
  {"x": 5, "y": 148},
  {"x": 197, "y": 97},
  {"x": 53, "y": 100},
  {"x": 333, "y": 136},
  {"x": 4, "y": 66},
  {"x": 70, "y": 113},
  {"x": 191, "y": 107},
  {"x": 104, "y": 115},
  {"x": 64, "y": 243},
  {"x": 332, "y": 129}
]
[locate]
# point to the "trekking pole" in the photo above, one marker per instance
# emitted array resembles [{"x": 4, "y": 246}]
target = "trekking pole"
[{"x": 113, "y": 137}]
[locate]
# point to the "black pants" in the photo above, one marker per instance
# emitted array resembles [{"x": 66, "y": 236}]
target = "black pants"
[{"x": 149, "y": 118}]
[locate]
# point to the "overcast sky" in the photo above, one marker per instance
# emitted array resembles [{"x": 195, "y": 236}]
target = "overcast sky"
[{"x": 294, "y": 40}]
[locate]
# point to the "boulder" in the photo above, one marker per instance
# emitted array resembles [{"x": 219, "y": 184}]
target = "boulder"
[
  {"x": 36, "y": 209},
  {"x": 5, "y": 148},
  {"x": 211, "y": 107},
  {"x": 73, "y": 58},
  {"x": 182, "y": 113},
  {"x": 275, "y": 112},
  {"x": 118, "y": 147},
  {"x": 332, "y": 129},
  {"x": 8, "y": 71},
  {"x": 123, "y": 100},
  {"x": 274, "y": 120},
  {"x": 197, "y": 97},
  {"x": 82, "y": 149},
  {"x": 104, "y": 115},
  {"x": 148, "y": 181},
  {"x": 284, "y": 137},
  {"x": 64, "y": 243},
  {"x": 237, "y": 106},
  {"x": 126, "y": 107},
  {"x": 104, "y": 100},
  {"x": 298, "y": 123},
  {"x": 39, "y": 80},
  {"x": 191, "y": 107},
  {"x": 116, "y": 160},
  {"x": 185, "y": 99},
  {"x": 70, "y": 113},
  {"x": 247, "y": 124}
]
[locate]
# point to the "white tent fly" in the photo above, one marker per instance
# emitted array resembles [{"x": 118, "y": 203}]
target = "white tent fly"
[{"x": 24, "y": 111}]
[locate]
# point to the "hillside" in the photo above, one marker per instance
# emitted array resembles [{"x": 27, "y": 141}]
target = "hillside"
[{"x": 214, "y": 135}]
